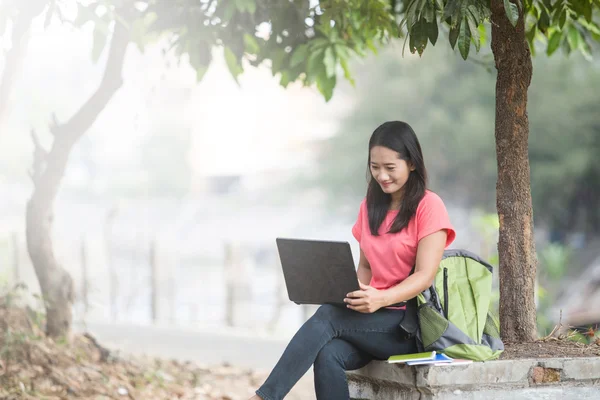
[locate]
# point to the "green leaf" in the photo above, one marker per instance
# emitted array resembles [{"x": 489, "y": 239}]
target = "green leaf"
[
  {"x": 299, "y": 55},
  {"x": 573, "y": 37},
  {"x": 566, "y": 47},
  {"x": 530, "y": 35},
  {"x": 475, "y": 12},
  {"x": 543, "y": 21},
  {"x": 240, "y": 5},
  {"x": 230, "y": 9},
  {"x": 413, "y": 9},
  {"x": 200, "y": 73},
  {"x": 342, "y": 51},
  {"x": 452, "y": 11},
  {"x": 277, "y": 60},
  {"x": 482, "y": 34},
  {"x": 418, "y": 37},
  {"x": 285, "y": 79},
  {"x": 592, "y": 27},
  {"x": 199, "y": 56},
  {"x": 547, "y": 4},
  {"x": 251, "y": 6},
  {"x": 319, "y": 43},
  {"x": 554, "y": 42},
  {"x": 428, "y": 11},
  {"x": 432, "y": 31},
  {"x": 199, "y": 53},
  {"x": 453, "y": 36},
  {"x": 251, "y": 44},
  {"x": 330, "y": 62},
  {"x": 347, "y": 75},
  {"x": 562, "y": 19},
  {"x": 512, "y": 12},
  {"x": 325, "y": 85},
  {"x": 315, "y": 64},
  {"x": 99, "y": 42},
  {"x": 474, "y": 31},
  {"x": 534, "y": 12},
  {"x": 464, "y": 39},
  {"x": 371, "y": 46},
  {"x": 586, "y": 9},
  {"x": 585, "y": 49},
  {"x": 232, "y": 63}
]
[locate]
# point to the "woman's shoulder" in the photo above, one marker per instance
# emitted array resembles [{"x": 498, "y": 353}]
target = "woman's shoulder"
[
  {"x": 362, "y": 208},
  {"x": 431, "y": 199}
]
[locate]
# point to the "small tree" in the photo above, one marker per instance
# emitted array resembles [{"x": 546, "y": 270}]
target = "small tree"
[
  {"x": 515, "y": 27},
  {"x": 48, "y": 170},
  {"x": 307, "y": 43},
  {"x": 21, "y": 15},
  {"x": 49, "y": 165}
]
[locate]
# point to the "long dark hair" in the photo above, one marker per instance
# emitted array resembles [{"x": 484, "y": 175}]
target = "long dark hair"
[{"x": 399, "y": 137}]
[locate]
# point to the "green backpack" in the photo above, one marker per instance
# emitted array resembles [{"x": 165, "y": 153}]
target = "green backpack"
[{"x": 453, "y": 315}]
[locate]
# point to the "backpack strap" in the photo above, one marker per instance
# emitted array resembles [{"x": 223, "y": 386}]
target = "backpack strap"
[{"x": 410, "y": 322}]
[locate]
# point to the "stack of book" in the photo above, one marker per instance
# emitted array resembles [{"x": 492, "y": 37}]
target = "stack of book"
[{"x": 427, "y": 358}]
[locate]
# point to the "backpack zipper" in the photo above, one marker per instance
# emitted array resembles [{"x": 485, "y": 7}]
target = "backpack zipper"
[{"x": 446, "y": 292}]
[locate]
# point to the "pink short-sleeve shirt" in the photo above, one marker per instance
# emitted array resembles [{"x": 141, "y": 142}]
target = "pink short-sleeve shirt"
[{"x": 393, "y": 255}]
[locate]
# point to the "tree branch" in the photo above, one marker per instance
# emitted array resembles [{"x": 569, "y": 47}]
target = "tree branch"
[
  {"x": 54, "y": 124},
  {"x": 40, "y": 155},
  {"x": 20, "y": 38},
  {"x": 67, "y": 134},
  {"x": 111, "y": 82}
]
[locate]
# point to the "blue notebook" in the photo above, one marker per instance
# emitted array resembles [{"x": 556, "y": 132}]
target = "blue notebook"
[{"x": 438, "y": 359}]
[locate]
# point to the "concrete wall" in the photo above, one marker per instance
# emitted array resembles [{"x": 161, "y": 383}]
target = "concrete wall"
[{"x": 569, "y": 378}]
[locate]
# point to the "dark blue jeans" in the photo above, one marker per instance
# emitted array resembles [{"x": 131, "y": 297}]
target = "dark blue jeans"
[{"x": 336, "y": 339}]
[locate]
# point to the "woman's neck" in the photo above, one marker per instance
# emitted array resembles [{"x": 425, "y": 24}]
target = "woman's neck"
[{"x": 396, "y": 201}]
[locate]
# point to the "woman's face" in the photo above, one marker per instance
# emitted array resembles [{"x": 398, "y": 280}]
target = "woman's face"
[{"x": 388, "y": 169}]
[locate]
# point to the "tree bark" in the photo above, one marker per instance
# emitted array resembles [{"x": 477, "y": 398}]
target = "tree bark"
[
  {"x": 48, "y": 169},
  {"x": 516, "y": 245}
]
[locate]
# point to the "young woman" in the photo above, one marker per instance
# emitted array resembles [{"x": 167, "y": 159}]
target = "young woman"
[{"x": 400, "y": 225}]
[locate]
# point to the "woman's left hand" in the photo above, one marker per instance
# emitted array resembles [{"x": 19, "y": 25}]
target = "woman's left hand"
[{"x": 366, "y": 300}]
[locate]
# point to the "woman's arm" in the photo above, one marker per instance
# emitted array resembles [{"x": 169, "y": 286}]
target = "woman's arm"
[
  {"x": 363, "y": 272},
  {"x": 429, "y": 255}
]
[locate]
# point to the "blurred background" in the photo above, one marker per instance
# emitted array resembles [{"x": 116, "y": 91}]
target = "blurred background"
[{"x": 171, "y": 202}]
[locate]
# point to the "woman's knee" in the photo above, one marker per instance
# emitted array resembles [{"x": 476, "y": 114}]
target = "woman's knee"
[
  {"x": 328, "y": 312},
  {"x": 341, "y": 353},
  {"x": 333, "y": 353}
]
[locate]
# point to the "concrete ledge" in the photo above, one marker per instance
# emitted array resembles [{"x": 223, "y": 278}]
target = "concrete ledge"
[{"x": 553, "y": 378}]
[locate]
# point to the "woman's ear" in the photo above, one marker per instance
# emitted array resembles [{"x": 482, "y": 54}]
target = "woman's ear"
[{"x": 411, "y": 166}]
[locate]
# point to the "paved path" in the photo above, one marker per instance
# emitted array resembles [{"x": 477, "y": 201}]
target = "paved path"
[
  {"x": 205, "y": 347},
  {"x": 201, "y": 346}
]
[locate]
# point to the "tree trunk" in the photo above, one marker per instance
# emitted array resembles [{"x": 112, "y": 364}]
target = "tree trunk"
[
  {"x": 516, "y": 245},
  {"x": 14, "y": 57},
  {"x": 48, "y": 170}
]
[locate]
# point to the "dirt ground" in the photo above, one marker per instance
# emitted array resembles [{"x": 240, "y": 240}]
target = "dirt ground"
[
  {"x": 553, "y": 347},
  {"x": 35, "y": 367}
]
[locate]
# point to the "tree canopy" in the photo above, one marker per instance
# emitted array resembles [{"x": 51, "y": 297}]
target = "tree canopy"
[{"x": 308, "y": 41}]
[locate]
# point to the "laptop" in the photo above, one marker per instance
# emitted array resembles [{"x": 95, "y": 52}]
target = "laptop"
[{"x": 317, "y": 271}]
